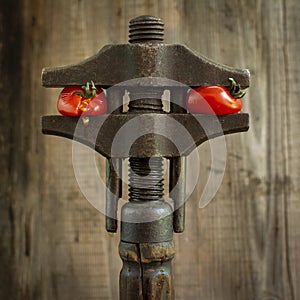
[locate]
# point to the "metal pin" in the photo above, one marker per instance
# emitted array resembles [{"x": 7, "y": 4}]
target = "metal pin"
[
  {"x": 177, "y": 191},
  {"x": 113, "y": 192}
]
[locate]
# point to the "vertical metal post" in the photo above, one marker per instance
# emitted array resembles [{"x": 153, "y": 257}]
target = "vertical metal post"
[
  {"x": 113, "y": 192},
  {"x": 113, "y": 166},
  {"x": 177, "y": 173},
  {"x": 146, "y": 246},
  {"x": 177, "y": 183}
]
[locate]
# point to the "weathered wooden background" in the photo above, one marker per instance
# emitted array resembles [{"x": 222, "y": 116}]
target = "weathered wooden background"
[{"x": 245, "y": 245}]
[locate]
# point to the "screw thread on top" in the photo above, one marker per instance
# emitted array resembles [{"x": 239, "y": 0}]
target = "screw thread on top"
[{"x": 146, "y": 29}]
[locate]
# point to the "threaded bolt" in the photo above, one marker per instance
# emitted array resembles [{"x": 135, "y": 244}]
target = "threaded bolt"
[
  {"x": 146, "y": 29},
  {"x": 146, "y": 180}
]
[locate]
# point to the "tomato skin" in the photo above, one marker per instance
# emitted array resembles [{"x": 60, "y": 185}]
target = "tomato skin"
[
  {"x": 97, "y": 105},
  {"x": 213, "y": 99},
  {"x": 68, "y": 103},
  {"x": 71, "y": 104}
]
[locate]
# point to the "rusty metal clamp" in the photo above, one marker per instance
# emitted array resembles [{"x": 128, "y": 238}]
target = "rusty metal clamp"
[{"x": 147, "y": 247}]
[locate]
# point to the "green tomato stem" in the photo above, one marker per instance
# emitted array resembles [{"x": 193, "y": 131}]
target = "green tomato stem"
[
  {"x": 235, "y": 89},
  {"x": 87, "y": 94}
]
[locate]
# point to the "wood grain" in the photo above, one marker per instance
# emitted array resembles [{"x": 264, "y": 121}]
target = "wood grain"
[{"x": 244, "y": 245}]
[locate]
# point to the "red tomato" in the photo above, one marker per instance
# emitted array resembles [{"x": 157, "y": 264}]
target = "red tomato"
[
  {"x": 215, "y": 99},
  {"x": 75, "y": 101}
]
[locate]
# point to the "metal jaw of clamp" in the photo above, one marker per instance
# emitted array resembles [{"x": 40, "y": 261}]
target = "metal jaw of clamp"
[{"x": 145, "y": 68}]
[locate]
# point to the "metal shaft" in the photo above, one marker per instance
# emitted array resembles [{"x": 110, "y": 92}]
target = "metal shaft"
[
  {"x": 113, "y": 166},
  {"x": 146, "y": 246}
]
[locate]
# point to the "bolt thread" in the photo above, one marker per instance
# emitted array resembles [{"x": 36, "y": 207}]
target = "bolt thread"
[
  {"x": 146, "y": 179},
  {"x": 145, "y": 174},
  {"x": 145, "y": 105},
  {"x": 146, "y": 29}
]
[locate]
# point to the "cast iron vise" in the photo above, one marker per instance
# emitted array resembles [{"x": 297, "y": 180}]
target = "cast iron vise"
[{"x": 145, "y": 68}]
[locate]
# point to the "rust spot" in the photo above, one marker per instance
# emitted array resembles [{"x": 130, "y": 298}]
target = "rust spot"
[
  {"x": 132, "y": 255},
  {"x": 157, "y": 252}
]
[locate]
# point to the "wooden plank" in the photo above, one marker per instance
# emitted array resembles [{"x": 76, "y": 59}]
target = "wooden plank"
[{"x": 257, "y": 193}]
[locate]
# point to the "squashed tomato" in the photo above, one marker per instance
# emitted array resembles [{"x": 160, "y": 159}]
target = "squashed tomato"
[
  {"x": 215, "y": 99},
  {"x": 75, "y": 101}
]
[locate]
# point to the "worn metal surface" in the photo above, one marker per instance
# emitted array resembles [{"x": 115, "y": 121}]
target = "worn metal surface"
[
  {"x": 144, "y": 57},
  {"x": 176, "y": 62},
  {"x": 146, "y": 218},
  {"x": 148, "y": 145},
  {"x": 146, "y": 272},
  {"x": 130, "y": 283},
  {"x": 114, "y": 97},
  {"x": 177, "y": 185},
  {"x": 146, "y": 221},
  {"x": 113, "y": 192}
]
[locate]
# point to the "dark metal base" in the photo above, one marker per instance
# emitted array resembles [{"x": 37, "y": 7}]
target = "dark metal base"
[{"x": 146, "y": 272}]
